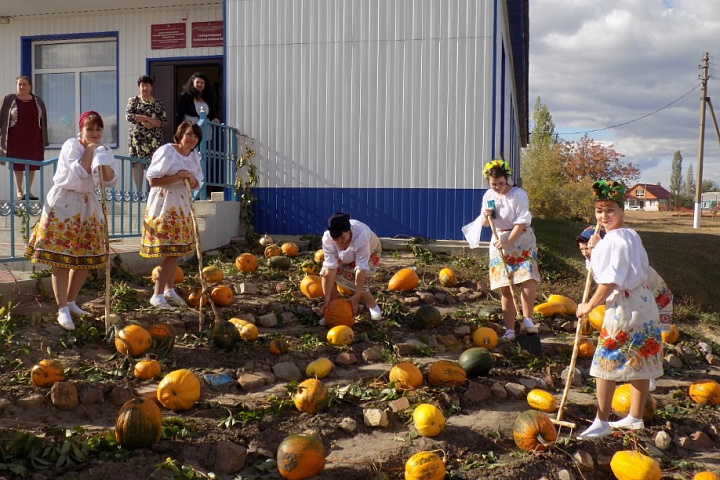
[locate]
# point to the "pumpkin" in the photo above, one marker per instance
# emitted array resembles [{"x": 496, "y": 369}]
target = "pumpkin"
[
  {"x": 163, "y": 337},
  {"x": 424, "y": 466},
  {"x": 406, "y": 376},
  {"x": 340, "y": 336},
  {"x": 570, "y": 306},
  {"x": 212, "y": 274},
  {"x": 586, "y": 328},
  {"x": 224, "y": 334},
  {"x": 319, "y": 368},
  {"x": 485, "y": 337},
  {"x": 138, "y": 424},
  {"x": 272, "y": 251},
  {"x": 706, "y": 476},
  {"x": 278, "y": 346},
  {"x": 179, "y": 390},
  {"x": 46, "y": 372},
  {"x": 196, "y": 298},
  {"x": 671, "y": 336},
  {"x": 248, "y": 332},
  {"x": 300, "y": 456},
  {"x": 445, "y": 373},
  {"x": 221, "y": 295},
  {"x": 311, "y": 286},
  {"x": 310, "y": 267},
  {"x": 476, "y": 361},
  {"x": 633, "y": 465},
  {"x": 265, "y": 241},
  {"x": 179, "y": 275},
  {"x": 705, "y": 392},
  {"x": 533, "y": 431},
  {"x": 133, "y": 340},
  {"x": 542, "y": 400},
  {"x": 246, "y": 262},
  {"x": 279, "y": 262},
  {"x": 621, "y": 403},
  {"x": 549, "y": 309},
  {"x": 446, "y": 277},
  {"x": 427, "y": 316},
  {"x": 290, "y": 249},
  {"x": 597, "y": 316},
  {"x": 344, "y": 291},
  {"x": 339, "y": 312},
  {"x": 311, "y": 396},
  {"x": 429, "y": 420},
  {"x": 404, "y": 280},
  {"x": 147, "y": 369},
  {"x": 319, "y": 256},
  {"x": 586, "y": 348}
]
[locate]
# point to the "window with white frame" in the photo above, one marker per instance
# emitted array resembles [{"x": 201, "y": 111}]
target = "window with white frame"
[
  {"x": 73, "y": 76},
  {"x": 639, "y": 192}
]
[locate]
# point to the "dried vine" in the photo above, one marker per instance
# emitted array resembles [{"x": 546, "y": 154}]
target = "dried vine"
[{"x": 243, "y": 185}]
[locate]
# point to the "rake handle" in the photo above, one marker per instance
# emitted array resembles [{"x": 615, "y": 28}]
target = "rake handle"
[{"x": 511, "y": 281}]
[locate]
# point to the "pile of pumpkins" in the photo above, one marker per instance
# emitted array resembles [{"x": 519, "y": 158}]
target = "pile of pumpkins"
[{"x": 221, "y": 295}]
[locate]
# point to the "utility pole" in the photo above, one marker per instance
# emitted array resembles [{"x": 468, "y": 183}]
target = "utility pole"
[{"x": 701, "y": 140}]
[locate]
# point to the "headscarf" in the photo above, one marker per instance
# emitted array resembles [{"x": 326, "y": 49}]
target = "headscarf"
[{"x": 613, "y": 191}]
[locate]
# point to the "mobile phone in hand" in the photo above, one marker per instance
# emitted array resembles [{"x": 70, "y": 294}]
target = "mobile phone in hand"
[{"x": 491, "y": 204}]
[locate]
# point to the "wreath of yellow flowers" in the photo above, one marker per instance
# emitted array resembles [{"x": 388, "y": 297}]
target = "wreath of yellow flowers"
[
  {"x": 613, "y": 191},
  {"x": 500, "y": 165}
]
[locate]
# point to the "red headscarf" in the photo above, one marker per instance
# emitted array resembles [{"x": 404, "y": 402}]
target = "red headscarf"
[{"x": 84, "y": 115}]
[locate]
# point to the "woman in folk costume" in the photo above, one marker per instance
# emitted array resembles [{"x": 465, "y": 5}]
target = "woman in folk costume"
[
  {"x": 70, "y": 233},
  {"x": 629, "y": 348},
  {"x": 168, "y": 231}
]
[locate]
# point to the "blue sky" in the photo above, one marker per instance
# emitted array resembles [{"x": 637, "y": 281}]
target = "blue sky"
[{"x": 600, "y": 64}]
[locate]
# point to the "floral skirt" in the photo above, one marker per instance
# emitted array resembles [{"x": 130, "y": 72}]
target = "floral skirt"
[
  {"x": 521, "y": 260},
  {"x": 629, "y": 347},
  {"x": 345, "y": 276},
  {"x": 167, "y": 228},
  {"x": 70, "y": 232}
]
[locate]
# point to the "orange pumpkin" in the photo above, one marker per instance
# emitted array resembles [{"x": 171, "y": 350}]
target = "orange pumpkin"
[
  {"x": 133, "y": 340},
  {"x": 447, "y": 277},
  {"x": 163, "y": 337},
  {"x": 311, "y": 286},
  {"x": 404, "y": 280},
  {"x": 621, "y": 403},
  {"x": 344, "y": 291},
  {"x": 586, "y": 348},
  {"x": 424, "y": 466},
  {"x": 147, "y": 369},
  {"x": 706, "y": 476},
  {"x": 212, "y": 274},
  {"x": 138, "y": 424},
  {"x": 596, "y": 316},
  {"x": 278, "y": 346},
  {"x": 179, "y": 390},
  {"x": 671, "y": 336},
  {"x": 339, "y": 312},
  {"x": 533, "y": 431},
  {"x": 272, "y": 251},
  {"x": 222, "y": 295},
  {"x": 406, "y": 376},
  {"x": 179, "y": 275},
  {"x": 300, "y": 456},
  {"x": 246, "y": 262},
  {"x": 311, "y": 396},
  {"x": 196, "y": 298},
  {"x": 445, "y": 373},
  {"x": 705, "y": 392},
  {"x": 290, "y": 249},
  {"x": 485, "y": 337},
  {"x": 46, "y": 372}
]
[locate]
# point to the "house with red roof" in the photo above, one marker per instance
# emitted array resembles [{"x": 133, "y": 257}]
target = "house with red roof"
[{"x": 646, "y": 196}]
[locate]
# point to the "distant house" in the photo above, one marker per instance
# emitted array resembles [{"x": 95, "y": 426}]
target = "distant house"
[
  {"x": 710, "y": 200},
  {"x": 646, "y": 196}
]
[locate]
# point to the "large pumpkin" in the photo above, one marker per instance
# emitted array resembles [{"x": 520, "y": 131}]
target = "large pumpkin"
[
  {"x": 46, "y": 372},
  {"x": 179, "y": 390},
  {"x": 445, "y": 373},
  {"x": 163, "y": 337},
  {"x": 404, "y": 280},
  {"x": 406, "y": 376},
  {"x": 319, "y": 368},
  {"x": 290, "y": 249},
  {"x": 340, "y": 336},
  {"x": 533, "y": 431},
  {"x": 671, "y": 336},
  {"x": 633, "y": 465},
  {"x": 427, "y": 316},
  {"x": 133, "y": 340},
  {"x": 339, "y": 312},
  {"x": 476, "y": 361},
  {"x": 706, "y": 476},
  {"x": 147, "y": 369},
  {"x": 621, "y": 403},
  {"x": 224, "y": 334},
  {"x": 272, "y": 251},
  {"x": 485, "y": 337},
  {"x": 138, "y": 424},
  {"x": 705, "y": 392},
  {"x": 300, "y": 456},
  {"x": 424, "y": 466},
  {"x": 542, "y": 400},
  {"x": 429, "y": 420},
  {"x": 222, "y": 295},
  {"x": 446, "y": 277},
  {"x": 212, "y": 274},
  {"x": 596, "y": 316},
  {"x": 179, "y": 275},
  {"x": 311, "y": 286},
  {"x": 246, "y": 262},
  {"x": 311, "y": 396}
]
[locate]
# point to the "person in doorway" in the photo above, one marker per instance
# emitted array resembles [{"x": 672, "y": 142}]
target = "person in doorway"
[
  {"x": 168, "y": 231},
  {"x": 352, "y": 254},
  {"x": 630, "y": 347},
  {"x": 70, "y": 233},
  {"x": 508, "y": 207},
  {"x": 197, "y": 95},
  {"x": 23, "y": 132},
  {"x": 147, "y": 117}
]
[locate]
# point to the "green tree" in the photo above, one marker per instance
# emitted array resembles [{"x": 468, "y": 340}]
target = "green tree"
[
  {"x": 689, "y": 187},
  {"x": 676, "y": 179},
  {"x": 709, "y": 186}
]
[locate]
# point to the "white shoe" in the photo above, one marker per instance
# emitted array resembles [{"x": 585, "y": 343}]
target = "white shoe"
[
  {"x": 75, "y": 310},
  {"x": 629, "y": 423},
  {"x": 596, "y": 430},
  {"x": 322, "y": 322},
  {"x": 529, "y": 327},
  {"x": 375, "y": 313},
  {"x": 508, "y": 336},
  {"x": 175, "y": 298},
  {"x": 653, "y": 385},
  {"x": 65, "y": 319},
  {"x": 159, "y": 301}
]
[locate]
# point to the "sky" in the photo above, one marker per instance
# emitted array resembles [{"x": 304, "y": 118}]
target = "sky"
[{"x": 599, "y": 64}]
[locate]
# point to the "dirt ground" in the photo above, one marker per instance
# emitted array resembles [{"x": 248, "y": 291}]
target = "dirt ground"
[{"x": 476, "y": 443}]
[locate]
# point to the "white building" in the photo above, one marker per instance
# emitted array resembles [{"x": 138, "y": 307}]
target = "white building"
[{"x": 387, "y": 109}]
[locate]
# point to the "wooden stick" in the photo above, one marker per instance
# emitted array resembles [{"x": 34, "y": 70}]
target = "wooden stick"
[
  {"x": 107, "y": 250},
  {"x": 510, "y": 276}
]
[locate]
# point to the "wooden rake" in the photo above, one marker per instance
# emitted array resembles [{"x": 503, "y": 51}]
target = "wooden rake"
[
  {"x": 106, "y": 232},
  {"x": 511, "y": 281}
]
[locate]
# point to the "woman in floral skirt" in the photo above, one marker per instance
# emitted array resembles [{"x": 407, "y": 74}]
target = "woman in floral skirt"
[{"x": 629, "y": 348}]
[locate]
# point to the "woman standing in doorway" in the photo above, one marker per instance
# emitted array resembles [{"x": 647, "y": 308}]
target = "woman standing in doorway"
[{"x": 197, "y": 94}]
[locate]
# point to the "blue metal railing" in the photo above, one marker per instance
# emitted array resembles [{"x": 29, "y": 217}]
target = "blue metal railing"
[{"x": 219, "y": 151}]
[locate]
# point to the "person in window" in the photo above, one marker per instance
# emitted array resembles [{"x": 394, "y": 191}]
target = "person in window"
[
  {"x": 23, "y": 132},
  {"x": 197, "y": 94},
  {"x": 168, "y": 231},
  {"x": 70, "y": 235},
  {"x": 147, "y": 116}
]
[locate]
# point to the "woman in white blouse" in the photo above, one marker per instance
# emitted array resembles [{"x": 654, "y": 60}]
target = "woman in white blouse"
[
  {"x": 70, "y": 233},
  {"x": 168, "y": 231}
]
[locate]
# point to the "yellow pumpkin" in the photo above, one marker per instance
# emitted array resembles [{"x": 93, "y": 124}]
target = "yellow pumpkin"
[
  {"x": 311, "y": 396},
  {"x": 46, "y": 372},
  {"x": 319, "y": 368},
  {"x": 429, "y": 420},
  {"x": 340, "y": 336},
  {"x": 179, "y": 390},
  {"x": 339, "y": 312},
  {"x": 179, "y": 275},
  {"x": 586, "y": 348},
  {"x": 221, "y": 295},
  {"x": 705, "y": 392},
  {"x": 633, "y": 465},
  {"x": 542, "y": 400},
  {"x": 706, "y": 476},
  {"x": 570, "y": 306},
  {"x": 147, "y": 369},
  {"x": 406, "y": 376},
  {"x": 196, "y": 298},
  {"x": 404, "y": 280},
  {"x": 290, "y": 249},
  {"x": 445, "y": 373},
  {"x": 596, "y": 316},
  {"x": 248, "y": 332},
  {"x": 344, "y": 291},
  {"x": 621, "y": 403},
  {"x": 212, "y": 274},
  {"x": 133, "y": 340},
  {"x": 485, "y": 337},
  {"x": 549, "y": 309},
  {"x": 246, "y": 262},
  {"x": 424, "y": 466},
  {"x": 272, "y": 251},
  {"x": 319, "y": 257},
  {"x": 446, "y": 277},
  {"x": 671, "y": 336},
  {"x": 311, "y": 286}
]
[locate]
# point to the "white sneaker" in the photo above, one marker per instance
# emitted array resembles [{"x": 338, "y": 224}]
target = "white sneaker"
[
  {"x": 529, "y": 327},
  {"x": 653, "y": 385},
  {"x": 65, "y": 319},
  {"x": 159, "y": 301},
  {"x": 375, "y": 313},
  {"x": 322, "y": 322},
  {"x": 508, "y": 336},
  {"x": 629, "y": 423},
  {"x": 175, "y": 298},
  {"x": 75, "y": 310},
  {"x": 596, "y": 430}
]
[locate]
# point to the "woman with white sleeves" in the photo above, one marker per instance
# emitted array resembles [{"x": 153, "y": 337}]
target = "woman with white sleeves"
[{"x": 70, "y": 233}]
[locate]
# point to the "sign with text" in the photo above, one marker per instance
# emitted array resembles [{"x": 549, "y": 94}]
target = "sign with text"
[
  {"x": 168, "y": 35},
  {"x": 207, "y": 34}
]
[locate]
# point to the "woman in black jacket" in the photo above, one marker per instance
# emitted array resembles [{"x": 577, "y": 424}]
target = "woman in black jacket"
[{"x": 197, "y": 93}]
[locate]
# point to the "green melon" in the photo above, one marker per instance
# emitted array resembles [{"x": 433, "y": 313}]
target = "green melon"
[
  {"x": 280, "y": 262},
  {"x": 476, "y": 361},
  {"x": 427, "y": 316}
]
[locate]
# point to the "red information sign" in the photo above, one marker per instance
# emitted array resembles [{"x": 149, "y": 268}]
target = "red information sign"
[
  {"x": 168, "y": 35},
  {"x": 207, "y": 34}
]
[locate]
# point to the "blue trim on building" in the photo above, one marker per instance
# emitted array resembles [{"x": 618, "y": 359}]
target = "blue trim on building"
[
  {"x": 413, "y": 212},
  {"x": 493, "y": 117}
]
